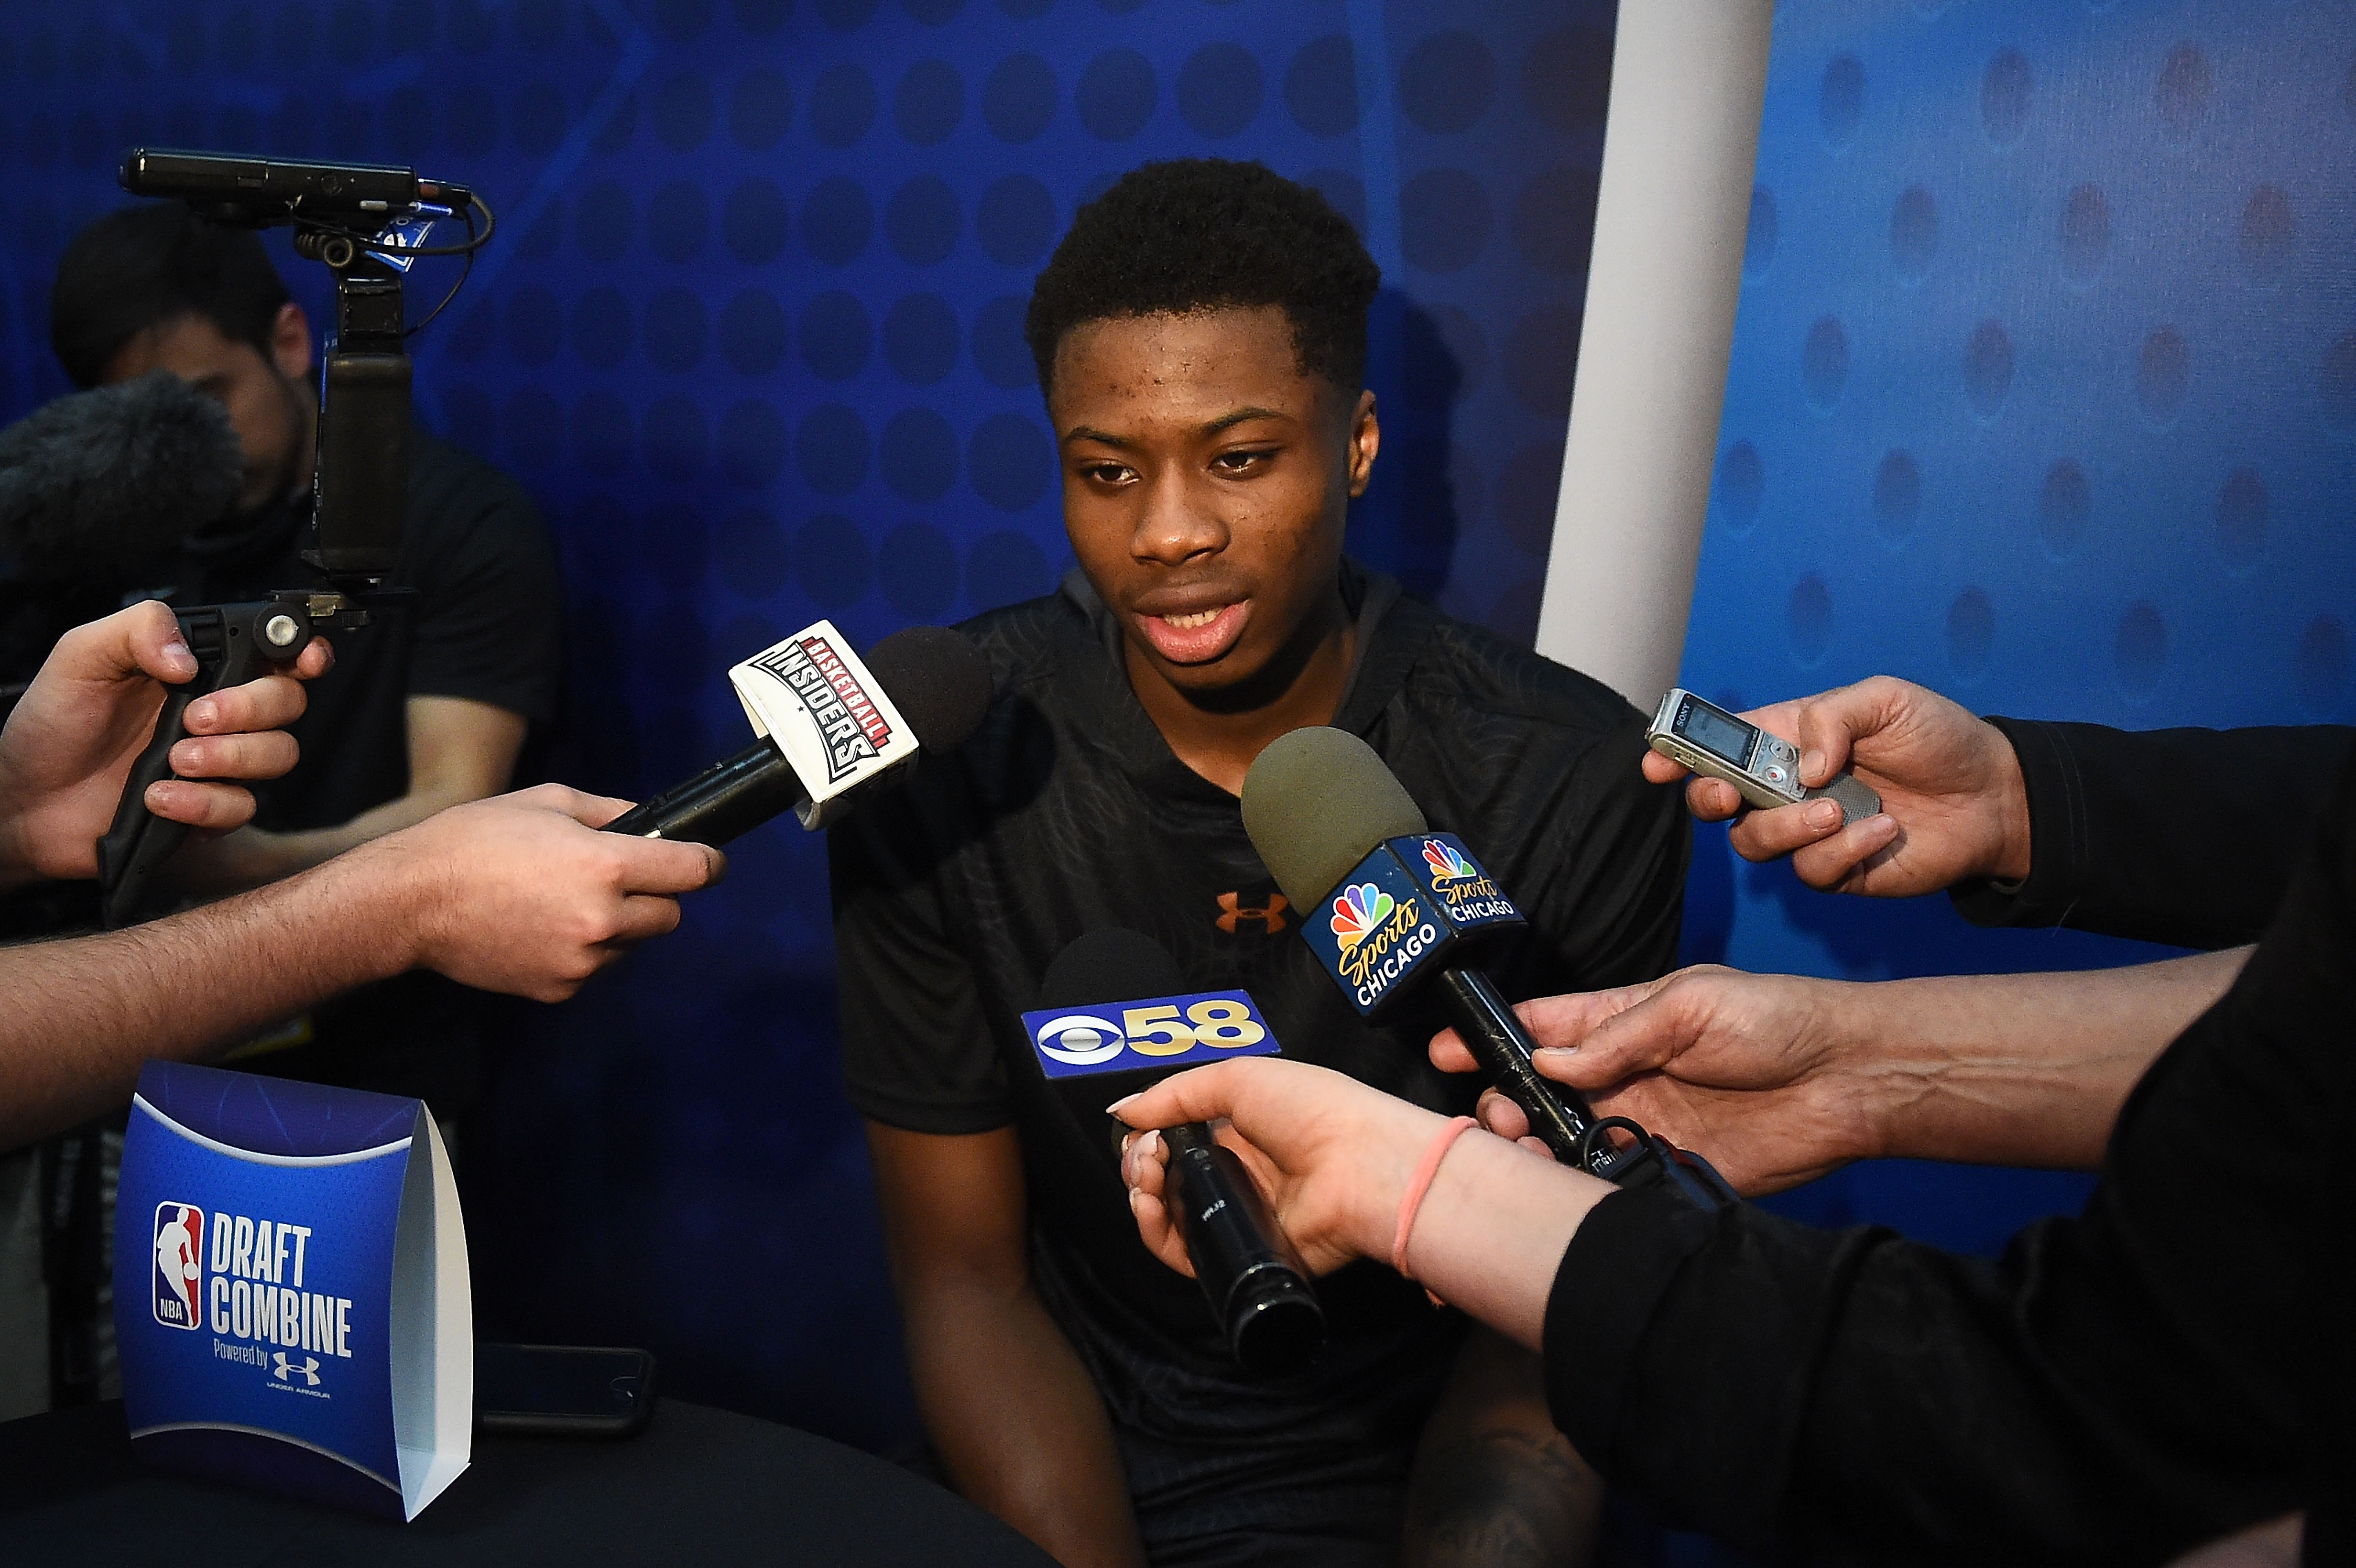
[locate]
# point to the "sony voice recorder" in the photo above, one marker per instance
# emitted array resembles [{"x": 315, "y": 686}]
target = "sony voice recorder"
[{"x": 1765, "y": 768}]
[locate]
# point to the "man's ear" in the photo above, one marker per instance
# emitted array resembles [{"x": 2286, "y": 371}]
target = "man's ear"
[
  {"x": 290, "y": 342},
  {"x": 1365, "y": 439}
]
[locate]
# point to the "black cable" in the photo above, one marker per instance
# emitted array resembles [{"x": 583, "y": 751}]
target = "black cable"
[
  {"x": 464, "y": 273},
  {"x": 367, "y": 241},
  {"x": 1604, "y": 1125}
]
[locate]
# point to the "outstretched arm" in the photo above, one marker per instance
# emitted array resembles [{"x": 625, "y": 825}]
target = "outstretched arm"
[
  {"x": 517, "y": 894},
  {"x": 1778, "y": 1080}
]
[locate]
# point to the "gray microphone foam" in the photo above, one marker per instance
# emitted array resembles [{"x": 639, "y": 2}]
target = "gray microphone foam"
[
  {"x": 1316, "y": 802},
  {"x": 111, "y": 482}
]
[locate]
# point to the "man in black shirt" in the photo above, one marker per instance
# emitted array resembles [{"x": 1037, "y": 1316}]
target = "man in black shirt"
[{"x": 1201, "y": 338}]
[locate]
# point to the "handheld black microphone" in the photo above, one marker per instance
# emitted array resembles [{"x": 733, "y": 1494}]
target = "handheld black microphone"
[
  {"x": 99, "y": 491},
  {"x": 824, "y": 735},
  {"x": 1388, "y": 902},
  {"x": 1101, "y": 989},
  {"x": 113, "y": 481}
]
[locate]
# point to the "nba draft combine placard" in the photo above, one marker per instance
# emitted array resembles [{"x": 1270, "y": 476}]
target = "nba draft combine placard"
[{"x": 291, "y": 1298}]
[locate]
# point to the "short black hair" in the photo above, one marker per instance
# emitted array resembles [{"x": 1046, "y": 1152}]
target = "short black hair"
[
  {"x": 1205, "y": 234},
  {"x": 140, "y": 267}
]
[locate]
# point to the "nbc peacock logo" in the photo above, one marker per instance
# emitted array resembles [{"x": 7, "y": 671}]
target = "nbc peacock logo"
[
  {"x": 1358, "y": 911},
  {"x": 1445, "y": 862}
]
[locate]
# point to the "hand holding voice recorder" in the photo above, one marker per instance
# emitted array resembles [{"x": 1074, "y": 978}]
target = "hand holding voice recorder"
[{"x": 1764, "y": 768}]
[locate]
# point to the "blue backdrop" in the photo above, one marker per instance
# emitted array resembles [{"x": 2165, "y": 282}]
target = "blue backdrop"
[{"x": 2044, "y": 394}]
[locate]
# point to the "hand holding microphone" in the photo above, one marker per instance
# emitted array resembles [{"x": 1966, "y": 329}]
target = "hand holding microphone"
[
  {"x": 1761, "y": 1069},
  {"x": 1333, "y": 1155},
  {"x": 1108, "y": 986},
  {"x": 1351, "y": 1170}
]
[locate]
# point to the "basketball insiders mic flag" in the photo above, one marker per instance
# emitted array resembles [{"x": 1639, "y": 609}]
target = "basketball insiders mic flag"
[
  {"x": 832, "y": 727},
  {"x": 291, "y": 1300}
]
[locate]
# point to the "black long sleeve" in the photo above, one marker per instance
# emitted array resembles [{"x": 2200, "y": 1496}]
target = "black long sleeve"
[
  {"x": 2166, "y": 1367},
  {"x": 2186, "y": 837}
]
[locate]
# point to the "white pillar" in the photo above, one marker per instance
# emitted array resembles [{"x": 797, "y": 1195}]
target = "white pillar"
[{"x": 1681, "y": 142}]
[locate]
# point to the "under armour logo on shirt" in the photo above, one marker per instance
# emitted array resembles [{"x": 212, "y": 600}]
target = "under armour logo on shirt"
[{"x": 1233, "y": 913}]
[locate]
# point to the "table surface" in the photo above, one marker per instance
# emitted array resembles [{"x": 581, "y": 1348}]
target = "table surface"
[{"x": 698, "y": 1486}]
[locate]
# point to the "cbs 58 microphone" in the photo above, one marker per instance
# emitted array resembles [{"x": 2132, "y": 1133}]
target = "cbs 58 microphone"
[
  {"x": 831, "y": 724},
  {"x": 1114, "y": 1017},
  {"x": 1393, "y": 906}
]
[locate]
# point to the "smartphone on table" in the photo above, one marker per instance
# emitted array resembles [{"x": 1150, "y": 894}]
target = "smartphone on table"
[{"x": 562, "y": 1391}]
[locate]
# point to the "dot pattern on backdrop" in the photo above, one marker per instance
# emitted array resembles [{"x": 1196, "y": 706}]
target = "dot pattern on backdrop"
[
  {"x": 2044, "y": 382},
  {"x": 751, "y": 332},
  {"x": 2043, "y": 394}
]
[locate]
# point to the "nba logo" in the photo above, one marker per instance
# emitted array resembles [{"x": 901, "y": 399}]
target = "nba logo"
[{"x": 179, "y": 1254}]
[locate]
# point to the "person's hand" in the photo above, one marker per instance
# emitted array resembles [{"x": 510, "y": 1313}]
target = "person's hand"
[
  {"x": 68, "y": 745},
  {"x": 1952, "y": 803},
  {"x": 1748, "y": 1071},
  {"x": 1330, "y": 1155},
  {"x": 519, "y": 894}
]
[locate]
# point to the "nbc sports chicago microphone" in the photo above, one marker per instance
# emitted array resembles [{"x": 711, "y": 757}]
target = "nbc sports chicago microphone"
[
  {"x": 1392, "y": 905},
  {"x": 1114, "y": 999},
  {"x": 831, "y": 726}
]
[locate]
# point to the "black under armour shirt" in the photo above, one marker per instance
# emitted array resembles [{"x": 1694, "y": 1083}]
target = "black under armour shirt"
[{"x": 1066, "y": 813}]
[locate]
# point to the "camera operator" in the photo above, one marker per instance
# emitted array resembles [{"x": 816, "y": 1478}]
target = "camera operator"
[
  {"x": 515, "y": 894},
  {"x": 430, "y": 705}
]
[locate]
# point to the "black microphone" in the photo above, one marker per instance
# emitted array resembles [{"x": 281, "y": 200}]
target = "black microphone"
[
  {"x": 1387, "y": 903},
  {"x": 1101, "y": 987},
  {"x": 100, "y": 493},
  {"x": 111, "y": 482},
  {"x": 816, "y": 697},
  {"x": 258, "y": 190}
]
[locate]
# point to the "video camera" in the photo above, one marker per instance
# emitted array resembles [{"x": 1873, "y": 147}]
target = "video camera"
[{"x": 366, "y": 223}]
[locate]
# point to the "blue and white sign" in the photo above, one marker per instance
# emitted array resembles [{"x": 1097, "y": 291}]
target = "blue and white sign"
[
  {"x": 291, "y": 1296},
  {"x": 1466, "y": 896},
  {"x": 1407, "y": 904},
  {"x": 1153, "y": 1031}
]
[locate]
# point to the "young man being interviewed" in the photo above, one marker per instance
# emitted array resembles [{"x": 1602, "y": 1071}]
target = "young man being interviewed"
[{"x": 1201, "y": 338}]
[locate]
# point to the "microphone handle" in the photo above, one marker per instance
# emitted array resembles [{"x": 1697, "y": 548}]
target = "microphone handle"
[
  {"x": 726, "y": 799},
  {"x": 1259, "y": 1297},
  {"x": 1559, "y": 1117}
]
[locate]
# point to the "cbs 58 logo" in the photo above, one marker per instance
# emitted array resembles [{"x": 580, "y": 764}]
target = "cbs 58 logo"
[{"x": 1151, "y": 1029}]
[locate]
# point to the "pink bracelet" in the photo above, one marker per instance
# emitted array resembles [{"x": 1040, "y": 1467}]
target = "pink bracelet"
[{"x": 1420, "y": 1183}]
